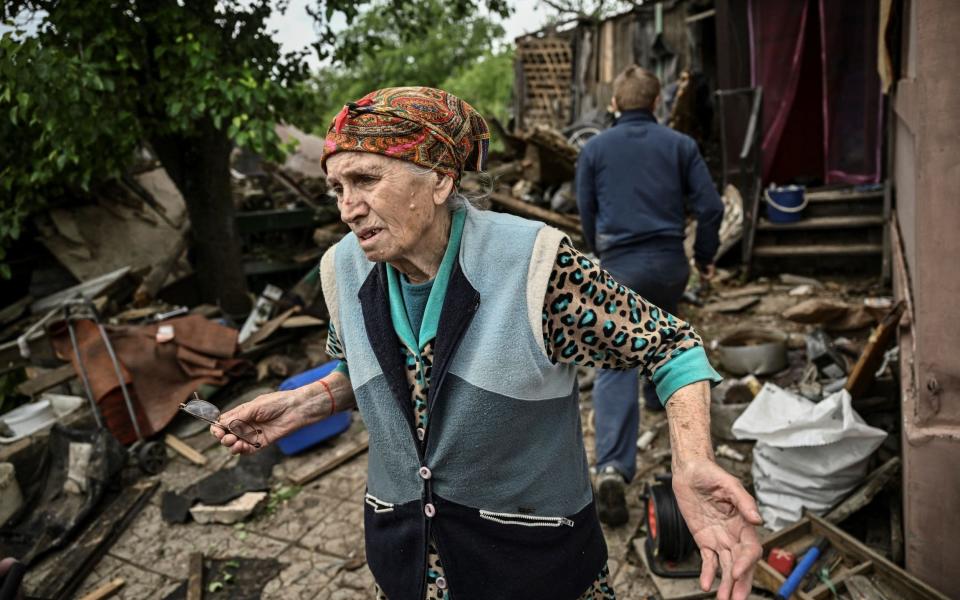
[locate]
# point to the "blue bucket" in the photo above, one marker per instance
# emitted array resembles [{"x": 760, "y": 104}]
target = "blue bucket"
[
  {"x": 785, "y": 204},
  {"x": 311, "y": 435}
]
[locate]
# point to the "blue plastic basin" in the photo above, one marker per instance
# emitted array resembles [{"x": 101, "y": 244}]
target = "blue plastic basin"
[
  {"x": 785, "y": 204},
  {"x": 311, "y": 435}
]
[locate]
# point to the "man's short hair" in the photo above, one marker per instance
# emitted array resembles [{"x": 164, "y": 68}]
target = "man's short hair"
[{"x": 635, "y": 88}]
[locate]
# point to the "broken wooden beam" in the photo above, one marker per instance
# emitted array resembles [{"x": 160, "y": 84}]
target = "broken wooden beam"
[
  {"x": 308, "y": 473},
  {"x": 184, "y": 450},
  {"x": 568, "y": 223},
  {"x": 865, "y": 371},
  {"x": 872, "y": 486},
  {"x": 76, "y": 563},
  {"x": 195, "y": 577},
  {"x": 106, "y": 590},
  {"x": 45, "y": 381}
]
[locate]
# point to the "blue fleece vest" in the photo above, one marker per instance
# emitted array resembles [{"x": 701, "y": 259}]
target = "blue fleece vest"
[{"x": 508, "y": 497}]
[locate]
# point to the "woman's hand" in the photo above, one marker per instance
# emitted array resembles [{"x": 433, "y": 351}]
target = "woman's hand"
[
  {"x": 721, "y": 516},
  {"x": 276, "y": 414},
  {"x": 719, "y": 512}
]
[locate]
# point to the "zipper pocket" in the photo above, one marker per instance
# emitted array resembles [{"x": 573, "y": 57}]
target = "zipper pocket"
[
  {"x": 379, "y": 506},
  {"x": 525, "y": 520}
]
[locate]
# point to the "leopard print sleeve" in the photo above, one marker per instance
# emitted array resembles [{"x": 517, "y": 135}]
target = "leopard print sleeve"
[{"x": 590, "y": 319}]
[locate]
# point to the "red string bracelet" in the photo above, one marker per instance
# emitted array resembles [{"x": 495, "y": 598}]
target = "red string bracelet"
[{"x": 333, "y": 403}]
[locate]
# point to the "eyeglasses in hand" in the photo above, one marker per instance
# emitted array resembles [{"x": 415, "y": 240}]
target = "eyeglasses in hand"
[{"x": 203, "y": 410}]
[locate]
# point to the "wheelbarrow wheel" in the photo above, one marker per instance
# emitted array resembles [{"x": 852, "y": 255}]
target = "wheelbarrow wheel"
[{"x": 152, "y": 457}]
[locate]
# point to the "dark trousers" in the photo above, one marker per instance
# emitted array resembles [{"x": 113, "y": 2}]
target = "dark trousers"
[{"x": 659, "y": 275}]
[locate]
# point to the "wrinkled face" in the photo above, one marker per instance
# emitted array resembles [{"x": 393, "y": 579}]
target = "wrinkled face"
[{"x": 389, "y": 206}]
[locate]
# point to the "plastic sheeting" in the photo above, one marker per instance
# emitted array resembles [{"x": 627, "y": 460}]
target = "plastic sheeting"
[{"x": 808, "y": 455}]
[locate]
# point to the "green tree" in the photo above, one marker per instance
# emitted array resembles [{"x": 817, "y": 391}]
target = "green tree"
[
  {"x": 450, "y": 45},
  {"x": 191, "y": 78},
  {"x": 487, "y": 84}
]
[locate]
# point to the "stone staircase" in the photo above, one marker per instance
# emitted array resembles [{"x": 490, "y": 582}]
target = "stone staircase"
[{"x": 843, "y": 230}]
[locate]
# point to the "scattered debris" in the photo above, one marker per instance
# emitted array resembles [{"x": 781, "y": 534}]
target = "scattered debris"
[
  {"x": 11, "y": 499},
  {"x": 726, "y": 451},
  {"x": 232, "y": 512},
  {"x": 86, "y": 552},
  {"x": 849, "y": 559},
  {"x": 833, "y": 315},
  {"x": 865, "y": 371}
]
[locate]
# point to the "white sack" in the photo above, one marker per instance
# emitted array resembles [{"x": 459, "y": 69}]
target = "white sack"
[{"x": 807, "y": 454}]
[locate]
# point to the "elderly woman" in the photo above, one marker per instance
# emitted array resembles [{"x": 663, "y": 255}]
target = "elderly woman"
[{"x": 459, "y": 332}]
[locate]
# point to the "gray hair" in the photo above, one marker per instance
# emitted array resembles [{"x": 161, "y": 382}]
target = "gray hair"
[{"x": 479, "y": 198}]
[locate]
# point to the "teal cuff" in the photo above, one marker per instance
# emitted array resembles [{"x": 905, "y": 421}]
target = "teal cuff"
[
  {"x": 342, "y": 368},
  {"x": 686, "y": 368}
]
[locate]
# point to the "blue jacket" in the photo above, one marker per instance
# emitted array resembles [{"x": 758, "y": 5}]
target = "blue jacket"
[{"x": 632, "y": 181}]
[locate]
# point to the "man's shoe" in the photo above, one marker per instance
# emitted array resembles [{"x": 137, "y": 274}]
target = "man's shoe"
[{"x": 611, "y": 498}]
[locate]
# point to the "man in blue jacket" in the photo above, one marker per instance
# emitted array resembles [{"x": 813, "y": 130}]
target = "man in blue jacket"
[{"x": 633, "y": 183}]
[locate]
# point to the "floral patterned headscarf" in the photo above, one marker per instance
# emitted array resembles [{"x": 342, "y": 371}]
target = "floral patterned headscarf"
[{"x": 421, "y": 125}]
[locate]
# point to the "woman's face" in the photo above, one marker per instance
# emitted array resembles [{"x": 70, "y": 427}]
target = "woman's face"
[{"x": 389, "y": 207}]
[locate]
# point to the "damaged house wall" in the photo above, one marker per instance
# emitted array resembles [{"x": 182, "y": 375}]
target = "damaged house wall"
[
  {"x": 585, "y": 58},
  {"x": 926, "y": 176}
]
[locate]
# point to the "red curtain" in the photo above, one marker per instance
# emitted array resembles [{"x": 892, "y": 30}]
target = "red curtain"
[
  {"x": 852, "y": 108},
  {"x": 850, "y": 101}
]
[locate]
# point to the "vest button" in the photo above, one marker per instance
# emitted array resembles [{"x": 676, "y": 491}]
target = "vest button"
[
  {"x": 429, "y": 510},
  {"x": 442, "y": 583},
  {"x": 421, "y": 433},
  {"x": 425, "y": 473}
]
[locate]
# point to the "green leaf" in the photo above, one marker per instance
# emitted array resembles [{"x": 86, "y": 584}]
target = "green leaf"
[
  {"x": 23, "y": 99},
  {"x": 175, "y": 108},
  {"x": 13, "y": 114},
  {"x": 231, "y": 564},
  {"x": 227, "y": 577},
  {"x": 215, "y": 586}
]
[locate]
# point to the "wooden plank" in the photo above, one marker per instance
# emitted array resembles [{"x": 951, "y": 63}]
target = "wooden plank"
[
  {"x": 816, "y": 250},
  {"x": 106, "y": 590},
  {"x": 861, "y": 588},
  {"x": 841, "y": 195},
  {"x": 903, "y": 583},
  {"x": 864, "y": 372},
  {"x": 525, "y": 209},
  {"x": 838, "y": 222},
  {"x": 195, "y": 577},
  {"x": 875, "y": 482},
  {"x": 749, "y": 290},
  {"x": 308, "y": 473},
  {"x": 184, "y": 450},
  {"x": 822, "y": 591},
  {"x": 76, "y": 563},
  {"x": 45, "y": 381}
]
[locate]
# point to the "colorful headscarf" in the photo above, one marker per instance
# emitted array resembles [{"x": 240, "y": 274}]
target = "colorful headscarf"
[{"x": 421, "y": 125}]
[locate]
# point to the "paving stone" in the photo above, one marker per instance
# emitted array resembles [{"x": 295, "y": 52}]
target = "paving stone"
[
  {"x": 352, "y": 585},
  {"x": 178, "y": 474},
  {"x": 305, "y": 574},
  {"x": 291, "y": 520},
  {"x": 346, "y": 482},
  {"x": 156, "y": 545},
  {"x": 340, "y": 533},
  {"x": 633, "y": 583},
  {"x": 138, "y": 583}
]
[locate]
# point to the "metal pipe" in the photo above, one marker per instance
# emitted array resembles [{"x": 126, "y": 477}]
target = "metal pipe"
[
  {"x": 123, "y": 386},
  {"x": 83, "y": 369}
]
